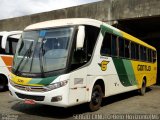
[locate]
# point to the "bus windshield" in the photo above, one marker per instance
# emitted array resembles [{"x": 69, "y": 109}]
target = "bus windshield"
[{"x": 43, "y": 50}]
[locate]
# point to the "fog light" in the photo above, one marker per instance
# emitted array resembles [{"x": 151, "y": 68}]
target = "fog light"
[{"x": 56, "y": 99}]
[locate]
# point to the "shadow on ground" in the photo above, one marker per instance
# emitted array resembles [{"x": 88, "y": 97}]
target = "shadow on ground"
[
  {"x": 122, "y": 96},
  {"x": 61, "y": 113}
]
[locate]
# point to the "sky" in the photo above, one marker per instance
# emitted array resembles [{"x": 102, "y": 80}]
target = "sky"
[{"x": 15, "y": 8}]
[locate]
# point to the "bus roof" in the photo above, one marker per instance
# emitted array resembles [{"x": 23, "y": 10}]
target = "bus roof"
[
  {"x": 85, "y": 21},
  {"x": 64, "y": 22}
]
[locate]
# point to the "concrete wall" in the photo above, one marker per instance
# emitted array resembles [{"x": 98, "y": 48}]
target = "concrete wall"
[
  {"x": 104, "y": 10},
  {"x": 122, "y": 9},
  {"x": 98, "y": 10}
]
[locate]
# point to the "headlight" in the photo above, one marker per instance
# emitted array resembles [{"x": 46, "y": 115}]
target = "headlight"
[{"x": 56, "y": 85}]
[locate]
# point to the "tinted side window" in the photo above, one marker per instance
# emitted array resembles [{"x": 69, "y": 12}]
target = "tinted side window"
[
  {"x": 154, "y": 56},
  {"x": 133, "y": 51},
  {"x": 121, "y": 47},
  {"x": 106, "y": 45},
  {"x": 141, "y": 53},
  {"x": 114, "y": 45},
  {"x": 145, "y": 53},
  {"x": 127, "y": 49},
  {"x": 137, "y": 51},
  {"x": 149, "y": 55},
  {"x": 11, "y": 46}
]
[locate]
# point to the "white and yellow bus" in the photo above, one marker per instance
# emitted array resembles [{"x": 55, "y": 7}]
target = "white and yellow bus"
[
  {"x": 8, "y": 42},
  {"x": 67, "y": 62}
]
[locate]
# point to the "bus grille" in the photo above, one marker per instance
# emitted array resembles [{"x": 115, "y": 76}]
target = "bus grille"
[
  {"x": 30, "y": 88},
  {"x": 33, "y": 97}
]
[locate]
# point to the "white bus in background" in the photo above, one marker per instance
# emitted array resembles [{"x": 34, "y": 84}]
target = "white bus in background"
[{"x": 8, "y": 42}]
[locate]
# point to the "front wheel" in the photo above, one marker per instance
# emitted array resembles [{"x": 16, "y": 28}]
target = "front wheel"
[{"x": 96, "y": 98}]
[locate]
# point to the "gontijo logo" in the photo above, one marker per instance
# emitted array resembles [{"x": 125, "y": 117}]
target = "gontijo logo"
[{"x": 144, "y": 68}]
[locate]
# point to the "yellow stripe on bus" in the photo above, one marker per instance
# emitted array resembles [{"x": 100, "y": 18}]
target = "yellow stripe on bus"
[
  {"x": 22, "y": 80},
  {"x": 133, "y": 39}
]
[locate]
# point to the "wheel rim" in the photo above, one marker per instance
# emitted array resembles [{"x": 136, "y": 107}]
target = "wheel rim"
[{"x": 96, "y": 97}]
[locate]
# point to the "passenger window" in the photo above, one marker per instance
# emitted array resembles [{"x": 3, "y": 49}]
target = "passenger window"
[
  {"x": 114, "y": 45},
  {"x": 133, "y": 51},
  {"x": 121, "y": 47},
  {"x": 106, "y": 45},
  {"x": 149, "y": 55},
  {"x": 141, "y": 53},
  {"x": 137, "y": 51},
  {"x": 145, "y": 53},
  {"x": 154, "y": 56},
  {"x": 127, "y": 49}
]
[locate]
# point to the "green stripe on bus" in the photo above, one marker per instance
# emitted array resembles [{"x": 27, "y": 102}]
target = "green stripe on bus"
[
  {"x": 130, "y": 72},
  {"x": 105, "y": 29},
  {"x": 109, "y": 30},
  {"x": 34, "y": 81},
  {"x": 117, "y": 33},
  {"x": 43, "y": 81},
  {"x": 121, "y": 70}
]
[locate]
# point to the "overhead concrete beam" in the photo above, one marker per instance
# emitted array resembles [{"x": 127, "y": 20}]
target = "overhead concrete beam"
[
  {"x": 107, "y": 10},
  {"x": 97, "y": 10}
]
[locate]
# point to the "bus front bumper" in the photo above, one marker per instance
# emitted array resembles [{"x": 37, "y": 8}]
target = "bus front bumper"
[{"x": 57, "y": 97}]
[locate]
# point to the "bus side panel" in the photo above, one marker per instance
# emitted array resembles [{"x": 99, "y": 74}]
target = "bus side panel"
[
  {"x": 144, "y": 69},
  {"x": 77, "y": 86},
  {"x": 108, "y": 69}
]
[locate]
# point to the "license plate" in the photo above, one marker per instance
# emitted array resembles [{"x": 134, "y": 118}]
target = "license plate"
[{"x": 28, "y": 101}]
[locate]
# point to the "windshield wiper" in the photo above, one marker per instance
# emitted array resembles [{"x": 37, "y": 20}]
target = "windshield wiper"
[
  {"x": 41, "y": 58},
  {"x": 26, "y": 54}
]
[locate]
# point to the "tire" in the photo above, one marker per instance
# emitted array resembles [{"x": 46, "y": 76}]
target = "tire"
[
  {"x": 143, "y": 88},
  {"x": 3, "y": 83},
  {"x": 96, "y": 98}
]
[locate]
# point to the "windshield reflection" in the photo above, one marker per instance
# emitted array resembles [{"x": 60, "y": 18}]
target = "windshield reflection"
[{"x": 48, "y": 53}]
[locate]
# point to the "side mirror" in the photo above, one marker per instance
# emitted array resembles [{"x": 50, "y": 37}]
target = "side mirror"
[{"x": 80, "y": 37}]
